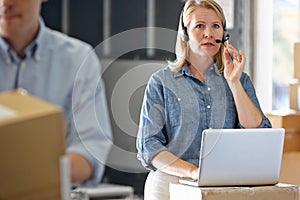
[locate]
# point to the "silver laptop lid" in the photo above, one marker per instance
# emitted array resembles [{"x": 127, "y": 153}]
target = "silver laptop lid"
[{"x": 240, "y": 156}]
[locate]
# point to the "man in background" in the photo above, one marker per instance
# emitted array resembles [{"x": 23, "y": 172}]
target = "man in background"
[{"x": 60, "y": 70}]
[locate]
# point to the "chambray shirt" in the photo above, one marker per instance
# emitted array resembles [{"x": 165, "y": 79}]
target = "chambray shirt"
[
  {"x": 65, "y": 72},
  {"x": 177, "y": 107}
]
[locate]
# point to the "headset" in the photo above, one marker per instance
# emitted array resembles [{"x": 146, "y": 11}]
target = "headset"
[
  {"x": 224, "y": 39},
  {"x": 185, "y": 36}
]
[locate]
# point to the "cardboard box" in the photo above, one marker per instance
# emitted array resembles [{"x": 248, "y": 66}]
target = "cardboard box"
[
  {"x": 297, "y": 60},
  {"x": 290, "y": 168},
  {"x": 290, "y": 121},
  {"x": 32, "y": 139},
  {"x": 276, "y": 192},
  {"x": 295, "y": 94}
]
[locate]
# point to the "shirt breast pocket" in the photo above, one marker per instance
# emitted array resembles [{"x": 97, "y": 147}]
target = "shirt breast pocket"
[{"x": 173, "y": 111}]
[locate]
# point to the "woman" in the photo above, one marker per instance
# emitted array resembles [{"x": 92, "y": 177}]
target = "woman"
[{"x": 203, "y": 88}]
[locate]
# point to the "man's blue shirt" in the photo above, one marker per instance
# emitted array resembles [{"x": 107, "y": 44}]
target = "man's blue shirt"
[{"x": 65, "y": 72}]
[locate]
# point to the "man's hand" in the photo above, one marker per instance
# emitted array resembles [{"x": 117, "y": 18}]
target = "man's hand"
[{"x": 81, "y": 169}]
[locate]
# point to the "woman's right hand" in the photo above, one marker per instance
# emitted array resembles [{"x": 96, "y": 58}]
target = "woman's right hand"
[
  {"x": 233, "y": 69},
  {"x": 168, "y": 163}
]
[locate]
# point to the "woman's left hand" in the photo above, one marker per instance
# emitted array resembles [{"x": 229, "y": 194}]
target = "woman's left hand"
[{"x": 233, "y": 69}]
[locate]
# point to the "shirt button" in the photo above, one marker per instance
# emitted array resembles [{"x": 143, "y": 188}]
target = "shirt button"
[
  {"x": 23, "y": 65},
  {"x": 8, "y": 60},
  {"x": 179, "y": 99},
  {"x": 208, "y": 89},
  {"x": 208, "y": 106},
  {"x": 37, "y": 57}
]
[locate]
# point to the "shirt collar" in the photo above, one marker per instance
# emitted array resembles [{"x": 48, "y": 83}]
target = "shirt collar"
[
  {"x": 184, "y": 70},
  {"x": 4, "y": 49},
  {"x": 214, "y": 68},
  {"x": 31, "y": 51},
  {"x": 40, "y": 39}
]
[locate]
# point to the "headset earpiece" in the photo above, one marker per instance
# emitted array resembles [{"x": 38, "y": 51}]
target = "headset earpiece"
[{"x": 185, "y": 36}]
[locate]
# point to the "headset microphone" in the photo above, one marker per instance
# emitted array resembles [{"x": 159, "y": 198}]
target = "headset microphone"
[
  {"x": 219, "y": 41},
  {"x": 224, "y": 39}
]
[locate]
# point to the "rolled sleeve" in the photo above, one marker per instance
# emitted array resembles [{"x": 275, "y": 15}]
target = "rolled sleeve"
[
  {"x": 151, "y": 136},
  {"x": 250, "y": 90},
  {"x": 145, "y": 155}
]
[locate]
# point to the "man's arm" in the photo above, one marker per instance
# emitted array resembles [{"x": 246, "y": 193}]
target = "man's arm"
[{"x": 89, "y": 129}]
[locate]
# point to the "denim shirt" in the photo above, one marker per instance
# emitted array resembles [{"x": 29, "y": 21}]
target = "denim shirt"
[{"x": 177, "y": 107}]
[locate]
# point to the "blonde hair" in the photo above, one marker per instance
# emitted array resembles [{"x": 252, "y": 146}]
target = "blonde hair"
[{"x": 181, "y": 49}]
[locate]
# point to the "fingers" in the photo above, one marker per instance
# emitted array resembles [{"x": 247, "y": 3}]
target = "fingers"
[
  {"x": 238, "y": 56},
  {"x": 243, "y": 57},
  {"x": 195, "y": 174},
  {"x": 227, "y": 57},
  {"x": 231, "y": 54}
]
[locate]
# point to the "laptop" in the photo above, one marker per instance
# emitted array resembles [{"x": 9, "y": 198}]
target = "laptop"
[{"x": 239, "y": 157}]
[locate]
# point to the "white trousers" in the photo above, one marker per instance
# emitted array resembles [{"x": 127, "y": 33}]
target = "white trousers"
[{"x": 157, "y": 185}]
